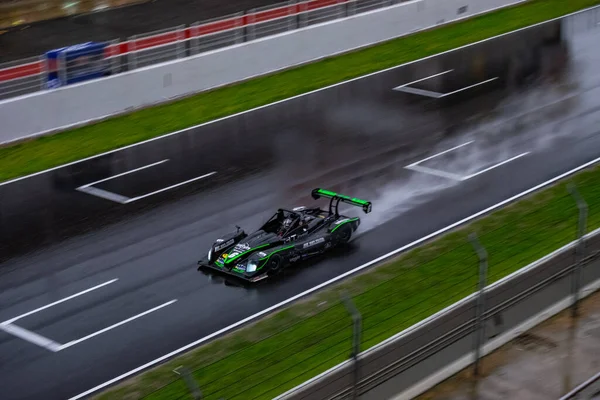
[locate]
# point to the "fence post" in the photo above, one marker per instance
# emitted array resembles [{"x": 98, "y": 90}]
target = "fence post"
[
  {"x": 580, "y": 249},
  {"x": 181, "y": 42},
  {"x": 351, "y": 8},
  {"x": 190, "y": 382},
  {"x": 250, "y": 27},
  {"x": 356, "y": 323},
  {"x": 291, "y": 12},
  {"x": 479, "y": 310},
  {"x": 44, "y": 72},
  {"x": 132, "y": 55},
  {"x": 240, "y": 31},
  {"x": 115, "y": 57},
  {"x": 342, "y": 9}
]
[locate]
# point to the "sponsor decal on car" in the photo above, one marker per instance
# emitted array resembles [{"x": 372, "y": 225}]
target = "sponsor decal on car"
[
  {"x": 240, "y": 267},
  {"x": 242, "y": 247},
  {"x": 224, "y": 245},
  {"x": 313, "y": 242}
]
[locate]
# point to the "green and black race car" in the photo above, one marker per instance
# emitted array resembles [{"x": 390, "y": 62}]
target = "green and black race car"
[{"x": 288, "y": 237}]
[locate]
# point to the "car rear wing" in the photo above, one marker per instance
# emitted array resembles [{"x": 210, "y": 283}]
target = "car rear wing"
[{"x": 336, "y": 197}]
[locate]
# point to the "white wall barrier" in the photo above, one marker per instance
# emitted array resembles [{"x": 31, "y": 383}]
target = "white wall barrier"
[{"x": 53, "y": 110}]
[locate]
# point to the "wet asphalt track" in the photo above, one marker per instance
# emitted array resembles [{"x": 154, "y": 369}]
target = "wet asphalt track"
[{"x": 57, "y": 241}]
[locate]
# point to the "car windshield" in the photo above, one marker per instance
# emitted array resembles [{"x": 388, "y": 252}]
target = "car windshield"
[{"x": 282, "y": 222}]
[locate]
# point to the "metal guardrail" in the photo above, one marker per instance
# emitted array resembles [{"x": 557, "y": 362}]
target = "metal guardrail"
[
  {"x": 29, "y": 75},
  {"x": 22, "y": 77}
]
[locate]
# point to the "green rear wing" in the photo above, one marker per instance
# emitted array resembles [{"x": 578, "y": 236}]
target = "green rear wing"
[{"x": 318, "y": 193}]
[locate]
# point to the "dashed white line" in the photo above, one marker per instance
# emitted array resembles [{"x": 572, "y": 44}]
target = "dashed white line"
[
  {"x": 105, "y": 194},
  {"x": 494, "y": 166},
  {"x": 118, "y": 198},
  {"x": 437, "y": 95},
  {"x": 440, "y": 153},
  {"x": 436, "y": 172},
  {"x": 170, "y": 187},
  {"x": 449, "y": 175},
  {"x": 122, "y": 174},
  {"x": 74, "y": 342},
  {"x": 468, "y": 87},
  {"x": 422, "y": 79},
  {"x": 421, "y": 92},
  {"x": 31, "y": 337},
  {"x": 10, "y": 321}
]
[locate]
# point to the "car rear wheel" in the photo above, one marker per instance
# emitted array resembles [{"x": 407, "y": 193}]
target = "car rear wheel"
[{"x": 343, "y": 234}]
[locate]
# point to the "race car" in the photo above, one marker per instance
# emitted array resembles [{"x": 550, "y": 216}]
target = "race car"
[{"x": 288, "y": 237}]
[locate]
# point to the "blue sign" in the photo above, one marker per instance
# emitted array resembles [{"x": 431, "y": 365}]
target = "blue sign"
[{"x": 77, "y": 63}]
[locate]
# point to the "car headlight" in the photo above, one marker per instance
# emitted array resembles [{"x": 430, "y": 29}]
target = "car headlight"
[
  {"x": 251, "y": 266},
  {"x": 209, "y": 254}
]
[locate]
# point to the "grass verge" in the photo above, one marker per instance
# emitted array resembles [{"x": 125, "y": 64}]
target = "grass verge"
[
  {"x": 37, "y": 155},
  {"x": 285, "y": 349}
]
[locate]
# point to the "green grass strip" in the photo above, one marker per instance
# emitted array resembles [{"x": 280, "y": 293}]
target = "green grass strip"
[
  {"x": 51, "y": 151},
  {"x": 285, "y": 349}
]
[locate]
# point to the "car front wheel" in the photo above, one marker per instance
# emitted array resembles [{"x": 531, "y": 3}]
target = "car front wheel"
[{"x": 274, "y": 264}]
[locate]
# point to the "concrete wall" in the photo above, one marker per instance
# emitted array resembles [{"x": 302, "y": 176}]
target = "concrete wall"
[{"x": 44, "y": 112}]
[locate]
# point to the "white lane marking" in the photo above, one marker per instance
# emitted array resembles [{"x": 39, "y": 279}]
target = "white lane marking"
[
  {"x": 437, "y": 95},
  {"x": 449, "y": 175},
  {"x": 118, "y": 198},
  {"x": 49, "y": 344},
  {"x": 422, "y": 79},
  {"x": 440, "y": 153},
  {"x": 336, "y": 279},
  {"x": 303, "y": 94},
  {"x": 105, "y": 194},
  {"x": 170, "y": 187},
  {"x": 436, "y": 172},
  {"x": 421, "y": 92},
  {"x": 123, "y": 173},
  {"x": 494, "y": 166},
  {"x": 10, "y": 321},
  {"x": 469, "y": 87},
  {"x": 101, "y": 331},
  {"x": 30, "y": 337}
]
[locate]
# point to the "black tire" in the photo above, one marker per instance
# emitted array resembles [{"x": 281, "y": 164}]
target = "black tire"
[
  {"x": 342, "y": 235},
  {"x": 275, "y": 265}
]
